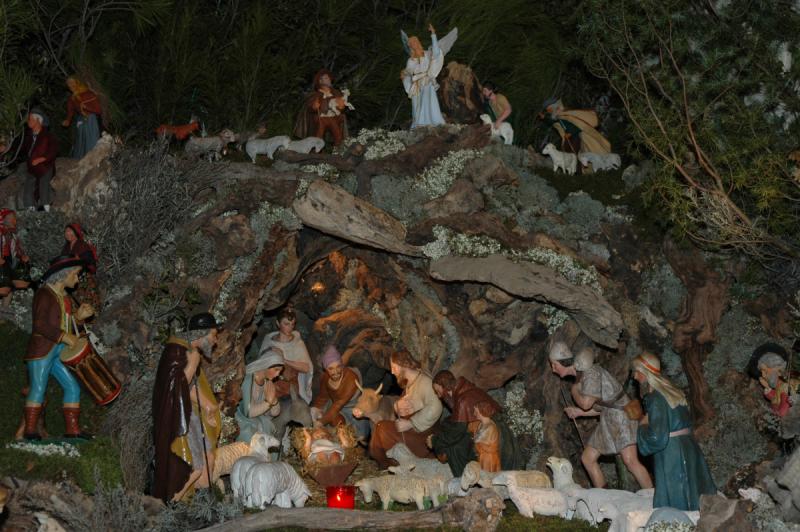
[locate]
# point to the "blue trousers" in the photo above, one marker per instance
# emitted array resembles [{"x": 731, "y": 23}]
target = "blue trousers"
[{"x": 39, "y": 372}]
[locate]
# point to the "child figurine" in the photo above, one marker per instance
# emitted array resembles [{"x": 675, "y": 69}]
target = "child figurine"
[{"x": 487, "y": 438}]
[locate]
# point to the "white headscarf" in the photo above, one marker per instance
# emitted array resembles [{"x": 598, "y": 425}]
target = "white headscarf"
[
  {"x": 268, "y": 358},
  {"x": 650, "y": 366}
]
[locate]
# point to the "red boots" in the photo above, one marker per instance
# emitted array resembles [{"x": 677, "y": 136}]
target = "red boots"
[
  {"x": 31, "y": 420},
  {"x": 72, "y": 428}
]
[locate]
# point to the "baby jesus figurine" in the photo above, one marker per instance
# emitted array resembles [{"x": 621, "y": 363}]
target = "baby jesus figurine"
[
  {"x": 320, "y": 449},
  {"x": 487, "y": 438}
]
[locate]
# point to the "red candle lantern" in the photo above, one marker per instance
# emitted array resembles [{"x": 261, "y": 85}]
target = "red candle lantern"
[{"x": 341, "y": 497}]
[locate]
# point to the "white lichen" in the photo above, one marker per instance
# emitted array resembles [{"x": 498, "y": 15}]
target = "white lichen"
[
  {"x": 555, "y": 318},
  {"x": 449, "y": 242},
  {"x": 326, "y": 171},
  {"x": 522, "y": 421},
  {"x": 50, "y": 449},
  {"x": 380, "y": 143},
  {"x": 437, "y": 178},
  {"x": 670, "y": 527}
]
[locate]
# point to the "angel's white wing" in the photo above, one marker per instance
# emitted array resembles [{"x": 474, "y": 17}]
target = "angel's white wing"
[
  {"x": 447, "y": 42},
  {"x": 404, "y": 38}
]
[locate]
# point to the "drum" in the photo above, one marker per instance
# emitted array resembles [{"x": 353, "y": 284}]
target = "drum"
[
  {"x": 92, "y": 371},
  {"x": 72, "y": 355}
]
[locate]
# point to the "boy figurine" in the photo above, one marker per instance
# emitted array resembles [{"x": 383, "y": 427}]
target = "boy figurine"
[{"x": 487, "y": 438}]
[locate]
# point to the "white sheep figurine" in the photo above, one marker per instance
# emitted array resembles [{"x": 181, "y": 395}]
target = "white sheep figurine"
[
  {"x": 562, "y": 475},
  {"x": 426, "y": 467},
  {"x": 596, "y": 505},
  {"x": 275, "y": 483},
  {"x": 566, "y": 162},
  {"x": 227, "y": 455},
  {"x": 600, "y": 161},
  {"x": 258, "y": 452},
  {"x": 307, "y": 145},
  {"x": 529, "y": 501},
  {"x": 401, "y": 488},
  {"x": 267, "y": 147},
  {"x": 505, "y": 131},
  {"x": 210, "y": 147}
]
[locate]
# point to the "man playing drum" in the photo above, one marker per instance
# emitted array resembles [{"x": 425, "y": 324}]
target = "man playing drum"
[{"x": 52, "y": 333}]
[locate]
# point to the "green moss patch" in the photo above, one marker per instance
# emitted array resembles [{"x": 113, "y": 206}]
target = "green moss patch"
[{"x": 99, "y": 453}]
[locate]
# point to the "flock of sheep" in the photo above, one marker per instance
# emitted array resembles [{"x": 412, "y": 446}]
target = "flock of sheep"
[{"x": 258, "y": 481}]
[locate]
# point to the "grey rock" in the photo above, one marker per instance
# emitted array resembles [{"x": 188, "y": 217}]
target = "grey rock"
[
  {"x": 461, "y": 198},
  {"x": 718, "y": 513},
  {"x": 636, "y": 175},
  {"x": 595, "y": 316},
  {"x": 398, "y": 197}
]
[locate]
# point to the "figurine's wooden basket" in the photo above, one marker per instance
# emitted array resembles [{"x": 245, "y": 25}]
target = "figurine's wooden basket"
[{"x": 333, "y": 475}]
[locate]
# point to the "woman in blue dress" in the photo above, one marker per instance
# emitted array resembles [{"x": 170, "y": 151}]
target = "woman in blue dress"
[{"x": 681, "y": 471}]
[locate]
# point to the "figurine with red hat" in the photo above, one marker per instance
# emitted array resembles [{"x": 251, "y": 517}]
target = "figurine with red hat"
[{"x": 14, "y": 262}]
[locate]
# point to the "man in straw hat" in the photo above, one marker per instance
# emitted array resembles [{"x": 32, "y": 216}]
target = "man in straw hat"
[
  {"x": 186, "y": 416},
  {"x": 54, "y": 330},
  {"x": 338, "y": 392},
  {"x": 260, "y": 402},
  {"x": 681, "y": 472},
  {"x": 598, "y": 394}
]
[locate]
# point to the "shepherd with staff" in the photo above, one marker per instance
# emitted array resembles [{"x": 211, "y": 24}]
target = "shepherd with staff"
[
  {"x": 597, "y": 393},
  {"x": 186, "y": 416}
]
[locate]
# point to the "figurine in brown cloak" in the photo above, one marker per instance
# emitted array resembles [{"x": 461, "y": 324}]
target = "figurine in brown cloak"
[
  {"x": 323, "y": 111},
  {"x": 186, "y": 416},
  {"x": 454, "y": 442}
]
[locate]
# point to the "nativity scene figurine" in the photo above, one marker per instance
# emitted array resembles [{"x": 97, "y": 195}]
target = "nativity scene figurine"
[{"x": 419, "y": 76}]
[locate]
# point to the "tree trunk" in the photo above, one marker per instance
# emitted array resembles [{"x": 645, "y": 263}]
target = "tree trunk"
[
  {"x": 479, "y": 511},
  {"x": 696, "y": 327}
]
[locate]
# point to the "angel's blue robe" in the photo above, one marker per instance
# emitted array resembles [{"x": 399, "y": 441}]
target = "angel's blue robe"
[
  {"x": 419, "y": 81},
  {"x": 681, "y": 471}
]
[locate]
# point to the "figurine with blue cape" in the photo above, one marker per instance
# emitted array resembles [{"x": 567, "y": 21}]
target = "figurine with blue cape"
[{"x": 419, "y": 76}]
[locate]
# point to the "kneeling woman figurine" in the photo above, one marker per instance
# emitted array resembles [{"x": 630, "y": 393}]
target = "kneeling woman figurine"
[{"x": 681, "y": 472}]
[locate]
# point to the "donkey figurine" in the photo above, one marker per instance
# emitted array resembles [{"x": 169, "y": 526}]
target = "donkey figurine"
[{"x": 296, "y": 411}]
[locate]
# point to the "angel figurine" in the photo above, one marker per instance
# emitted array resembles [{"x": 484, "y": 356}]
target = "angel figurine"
[{"x": 419, "y": 76}]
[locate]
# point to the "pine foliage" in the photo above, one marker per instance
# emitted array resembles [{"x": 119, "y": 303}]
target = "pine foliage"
[{"x": 712, "y": 91}]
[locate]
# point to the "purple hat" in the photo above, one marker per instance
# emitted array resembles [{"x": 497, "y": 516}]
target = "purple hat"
[{"x": 331, "y": 356}]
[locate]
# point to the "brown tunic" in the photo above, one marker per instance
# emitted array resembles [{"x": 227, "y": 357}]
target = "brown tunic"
[
  {"x": 465, "y": 396},
  {"x": 50, "y": 319},
  {"x": 339, "y": 397}
]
